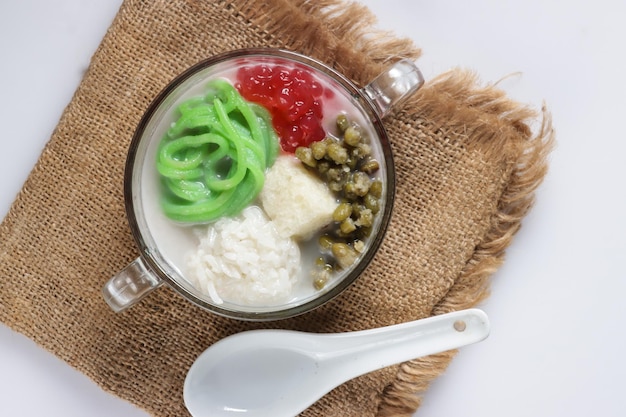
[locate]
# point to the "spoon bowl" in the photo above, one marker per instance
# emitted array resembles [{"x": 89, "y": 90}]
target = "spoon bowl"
[{"x": 282, "y": 372}]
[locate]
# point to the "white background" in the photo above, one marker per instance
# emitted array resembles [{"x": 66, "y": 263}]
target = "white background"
[{"x": 557, "y": 310}]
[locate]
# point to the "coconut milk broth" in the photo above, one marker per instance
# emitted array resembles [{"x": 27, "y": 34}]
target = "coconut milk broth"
[{"x": 175, "y": 240}]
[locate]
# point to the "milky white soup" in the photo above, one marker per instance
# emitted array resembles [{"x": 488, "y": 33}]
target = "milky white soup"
[{"x": 184, "y": 246}]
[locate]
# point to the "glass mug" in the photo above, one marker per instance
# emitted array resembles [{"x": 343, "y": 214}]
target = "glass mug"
[{"x": 197, "y": 257}]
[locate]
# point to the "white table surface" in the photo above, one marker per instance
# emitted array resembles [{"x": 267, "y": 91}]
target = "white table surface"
[{"x": 557, "y": 311}]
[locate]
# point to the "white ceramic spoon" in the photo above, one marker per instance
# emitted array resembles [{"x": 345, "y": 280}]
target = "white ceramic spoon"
[{"x": 281, "y": 373}]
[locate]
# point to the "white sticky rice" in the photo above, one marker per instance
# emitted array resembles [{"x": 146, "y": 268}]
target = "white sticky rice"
[{"x": 244, "y": 261}]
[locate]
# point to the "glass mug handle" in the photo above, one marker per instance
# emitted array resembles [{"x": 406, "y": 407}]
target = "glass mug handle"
[
  {"x": 130, "y": 285},
  {"x": 394, "y": 85}
]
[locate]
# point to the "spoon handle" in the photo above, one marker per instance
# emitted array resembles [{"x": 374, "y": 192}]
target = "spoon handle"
[{"x": 365, "y": 351}]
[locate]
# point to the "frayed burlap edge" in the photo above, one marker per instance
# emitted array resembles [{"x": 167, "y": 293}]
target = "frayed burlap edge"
[
  {"x": 404, "y": 395},
  {"x": 338, "y": 32}
]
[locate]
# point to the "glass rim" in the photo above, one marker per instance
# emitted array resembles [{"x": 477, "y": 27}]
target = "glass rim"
[{"x": 152, "y": 260}]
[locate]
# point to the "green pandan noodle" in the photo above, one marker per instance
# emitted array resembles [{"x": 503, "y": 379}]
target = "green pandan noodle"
[{"x": 213, "y": 158}]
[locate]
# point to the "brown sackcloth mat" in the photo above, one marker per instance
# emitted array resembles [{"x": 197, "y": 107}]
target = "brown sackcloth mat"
[{"x": 468, "y": 162}]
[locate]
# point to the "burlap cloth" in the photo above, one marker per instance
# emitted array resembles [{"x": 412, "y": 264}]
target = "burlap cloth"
[{"x": 468, "y": 161}]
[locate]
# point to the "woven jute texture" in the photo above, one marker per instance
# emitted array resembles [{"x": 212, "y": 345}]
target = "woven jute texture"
[{"x": 468, "y": 162}]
